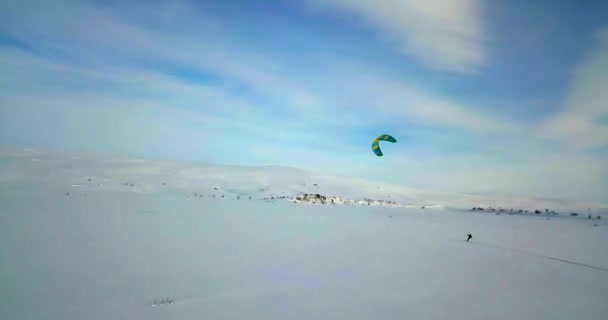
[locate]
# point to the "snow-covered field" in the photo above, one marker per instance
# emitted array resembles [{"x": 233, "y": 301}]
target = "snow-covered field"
[{"x": 86, "y": 237}]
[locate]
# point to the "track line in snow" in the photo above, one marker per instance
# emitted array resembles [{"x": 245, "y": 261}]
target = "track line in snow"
[{"x": 540, "y": 256}]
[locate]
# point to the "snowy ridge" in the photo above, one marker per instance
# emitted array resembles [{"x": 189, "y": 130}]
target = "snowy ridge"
[{"x": 82, "y": 175}]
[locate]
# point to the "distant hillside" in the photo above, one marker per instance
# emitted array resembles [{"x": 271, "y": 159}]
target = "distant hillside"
[{"x": 80, "y": 174}]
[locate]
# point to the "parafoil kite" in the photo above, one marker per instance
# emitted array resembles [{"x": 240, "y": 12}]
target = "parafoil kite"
[{"x": 376, "y": 145}]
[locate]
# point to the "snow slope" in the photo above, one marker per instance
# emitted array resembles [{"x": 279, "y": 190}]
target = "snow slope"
[
  {"x": 112, "y": 253},
  {"x": 82, "y": 174}
]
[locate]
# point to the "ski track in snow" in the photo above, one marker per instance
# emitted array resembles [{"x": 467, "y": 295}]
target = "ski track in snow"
[{"x": 538, "y": 255}]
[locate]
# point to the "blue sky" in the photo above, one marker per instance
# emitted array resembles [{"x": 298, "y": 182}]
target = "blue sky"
[{"x": 505, "y": 97}]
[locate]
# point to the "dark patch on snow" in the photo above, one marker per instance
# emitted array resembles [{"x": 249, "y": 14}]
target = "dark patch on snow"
[{"x": 162, "y": 302}]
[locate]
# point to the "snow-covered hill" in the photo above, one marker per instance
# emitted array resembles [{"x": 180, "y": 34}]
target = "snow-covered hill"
[{"x": 80, "y": 175}]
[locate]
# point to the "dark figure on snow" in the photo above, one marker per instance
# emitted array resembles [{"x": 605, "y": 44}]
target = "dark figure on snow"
[{"x": 469, "y": 237}]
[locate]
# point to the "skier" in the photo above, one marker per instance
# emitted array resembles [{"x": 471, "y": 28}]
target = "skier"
[{"x": 469, "y": 237}]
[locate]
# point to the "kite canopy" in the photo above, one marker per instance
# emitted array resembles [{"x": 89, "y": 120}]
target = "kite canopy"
[{"x": 376, "y": 145}]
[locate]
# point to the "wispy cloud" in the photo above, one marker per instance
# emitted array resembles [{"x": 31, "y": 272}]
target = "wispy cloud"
[
  {"x": 444, "y": 34},
  {"x": 582, "y": 121},
  {"x": 356, "y": 89},
  {"x": 369, "y": 88}
]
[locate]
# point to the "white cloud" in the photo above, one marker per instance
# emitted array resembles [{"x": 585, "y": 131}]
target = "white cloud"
[
  {"x": 579, "y": 123},
  {"x": 275, "y": 79},
  {"x": 146, "y": 103},
  {"x": 444, "y": 34},
  {"x": 367, "y": 88}
]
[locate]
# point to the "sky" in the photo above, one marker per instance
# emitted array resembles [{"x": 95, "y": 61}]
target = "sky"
[{"x": 487, "y": 97}]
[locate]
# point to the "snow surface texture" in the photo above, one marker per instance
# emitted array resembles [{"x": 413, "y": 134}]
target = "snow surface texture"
[{"x": 140, "y": 236}]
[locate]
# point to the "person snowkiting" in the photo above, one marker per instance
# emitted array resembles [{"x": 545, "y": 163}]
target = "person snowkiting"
[{"x": 469, "y": 237}]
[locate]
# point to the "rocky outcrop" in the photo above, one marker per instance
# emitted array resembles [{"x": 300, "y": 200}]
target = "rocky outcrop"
[
  {"x": 315, "y": 198},
  {"x": 311, "y": 198}
]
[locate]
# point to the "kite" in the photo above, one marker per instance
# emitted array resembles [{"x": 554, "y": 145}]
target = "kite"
[{"x": 376, "y": 145}]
